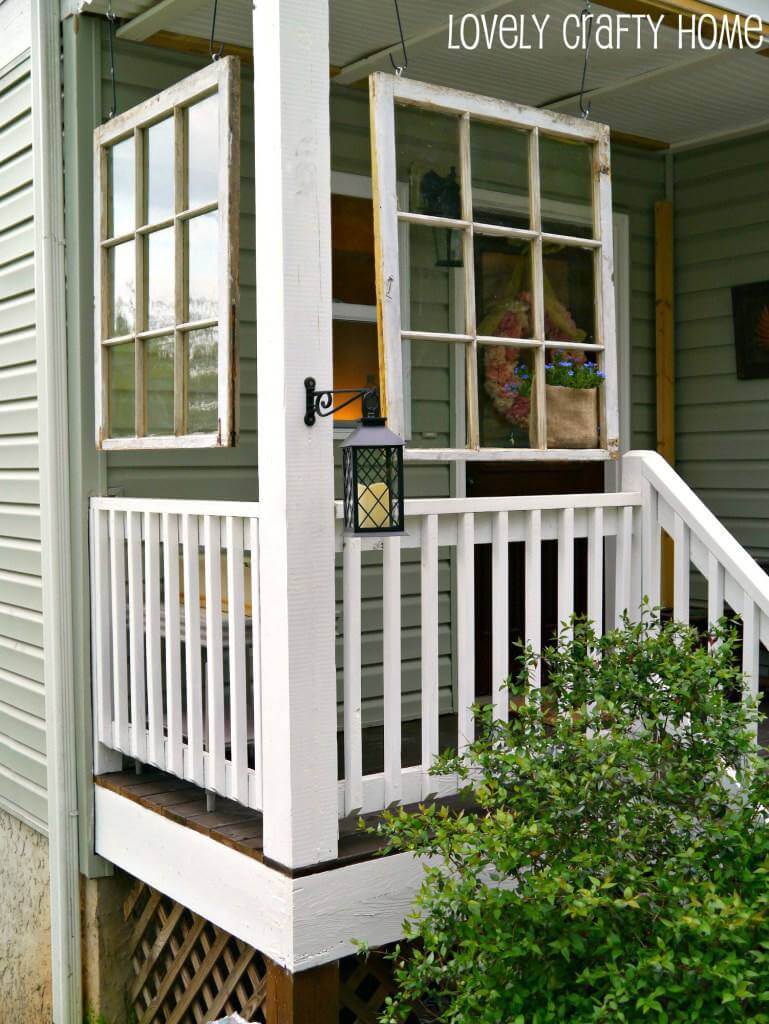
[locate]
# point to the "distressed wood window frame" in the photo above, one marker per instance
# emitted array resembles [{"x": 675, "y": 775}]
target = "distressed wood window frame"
[
  {"x": 385, "y": 91},
  {"x": 221, "y": 78}
]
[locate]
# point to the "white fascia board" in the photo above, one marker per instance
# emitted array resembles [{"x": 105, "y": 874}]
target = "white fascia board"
[{"x": 297, "y": 922}]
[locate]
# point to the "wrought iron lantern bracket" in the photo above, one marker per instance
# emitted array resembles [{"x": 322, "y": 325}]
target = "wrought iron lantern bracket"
[{"x": 321, "y": 403}]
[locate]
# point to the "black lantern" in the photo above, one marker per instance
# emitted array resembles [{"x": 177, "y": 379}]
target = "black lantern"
[
  {"x": 372, "y": 469},
  {"x": 440, "y": 196}
]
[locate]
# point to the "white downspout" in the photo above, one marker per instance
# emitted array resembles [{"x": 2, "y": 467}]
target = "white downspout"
[{"x": 54, "y": 511}]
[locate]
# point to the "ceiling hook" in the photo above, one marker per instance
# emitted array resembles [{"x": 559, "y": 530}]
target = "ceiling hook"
[
  {"x": 400, "y": 68},
  {"x": 587, "y": 14},
  {"x": 214, "y": 54}
]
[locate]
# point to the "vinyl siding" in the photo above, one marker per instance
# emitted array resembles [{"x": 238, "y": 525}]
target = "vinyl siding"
[
  {"x": 722, "y": 423},
  {"x": 22, "y": 694}
]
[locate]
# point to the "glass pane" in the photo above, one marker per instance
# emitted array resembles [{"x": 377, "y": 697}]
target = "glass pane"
[
  {"x": 159, "y": 384},
  {"x": 202, "y": 381},
  {"x": 573, "y": 394},
  {"x": 427, "y": 157},
  {"x": 503, "y": 287},
  {"x": 352, "y": 250},
  {"x": 203, "y": 267},
  {"x": 356, "y": 361},
  {"x": 160, "y": 279},
  {"x": 436, "y": 281},
  {"x": 500, "y": 163},
  {"x": 160, "y": 170},
  {"x": 203, "y": 152},
  {"x": 565, "y": 170},
  {"x": 121, "y": 175},
  {"x": 122, "y": 289},
  {"x": 437, "y": 416},
  {"x": 121, "y": 390},
  {"x": 505, "y": 374},
  {"x": 569, "y": 294}
]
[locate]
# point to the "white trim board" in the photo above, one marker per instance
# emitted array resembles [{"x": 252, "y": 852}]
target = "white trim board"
[{"x": 298, "y": 922}]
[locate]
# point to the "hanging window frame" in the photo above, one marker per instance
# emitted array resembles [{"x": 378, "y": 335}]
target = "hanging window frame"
[
  {"x": 387, "y": 91},
  {"x": 220, "y": 79}
]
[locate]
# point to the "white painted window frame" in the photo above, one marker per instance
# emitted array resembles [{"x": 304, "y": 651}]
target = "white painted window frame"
[
  {"x": 221, "y": 78},
  {"x": 385, "y": 90}
]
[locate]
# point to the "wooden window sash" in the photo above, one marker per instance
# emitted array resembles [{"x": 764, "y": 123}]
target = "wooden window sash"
[
  {"x": 221, "y": 78},
  {"x": 385, "y": 91}
]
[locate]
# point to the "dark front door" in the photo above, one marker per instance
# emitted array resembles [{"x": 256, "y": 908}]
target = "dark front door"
[{"x": 499, "y": 479}]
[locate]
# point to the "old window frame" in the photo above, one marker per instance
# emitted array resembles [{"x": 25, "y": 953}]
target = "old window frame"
[
  {"x": 385, "y": 92},
  {"x": 221, "y": 78}
]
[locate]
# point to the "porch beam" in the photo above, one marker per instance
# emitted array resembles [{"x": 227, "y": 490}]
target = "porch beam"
[{"x": 296, "y": 465}]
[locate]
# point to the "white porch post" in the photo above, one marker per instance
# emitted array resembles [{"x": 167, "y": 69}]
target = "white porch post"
[{"x": 296, "y": 487}]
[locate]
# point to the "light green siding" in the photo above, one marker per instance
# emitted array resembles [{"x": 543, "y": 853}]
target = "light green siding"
[
  {"x": 722, "y": 423},
  {"x": 22, "y": 695}
]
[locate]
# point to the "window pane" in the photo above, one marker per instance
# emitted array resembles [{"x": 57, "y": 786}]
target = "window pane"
[
  {"x": 500, "y": 163},
  {"x": 503, "y": 306},
  {"x": 122, "y": 289},
  {"x": 565, "y": 170},
  {"x": 352, "y": 250},
  {"x": 121, "y": 390},
  {"x": 121, "y": 174},
  {"x": 160, "y": 171},
  {"x": 574, "y": 393},
  {"x": 203, "y": 267},
  {"x": 569, "y": 294},
  {"x": 202, "y": 381},
  {"x": 159, "y": 383},
  {"x": 160, "y": 279},
  {"x": 356, "y": 361},
  {"x": 437, "y": 414},
  {"x": 427, "y": 156},
  {"x": 436, "y": 281},
  {"x": 203, "y": 152},
  {"x": 504, "y": 395}
]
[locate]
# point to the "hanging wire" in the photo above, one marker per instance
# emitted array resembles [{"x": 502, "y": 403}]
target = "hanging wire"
[
  {"x": 111, "y": 19},
  {"x": 400, "y": 68},
  {"x": 214, "y": 54},
  {"x": 587, "y": 13}
]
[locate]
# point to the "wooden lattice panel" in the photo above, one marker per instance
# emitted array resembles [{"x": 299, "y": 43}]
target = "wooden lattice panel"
[
  {"x": 186, "y": 970},
  {"x": 364, "y": 984}
]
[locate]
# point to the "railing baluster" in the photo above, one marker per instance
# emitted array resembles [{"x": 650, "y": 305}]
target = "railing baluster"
[
  {"x": 500, "y": 628},
  {"x": 533, "y": 590},
  {"x": 190, "y": 553},
  {"x": 391, "y": 578},
  {"x": 751, "y": 650},
  {"x": 212, "y": 541},
  {"x": 465, "y": 628},
  {"x": 651, "y": 544},
  {"x": 119, "y": 652},
  {"x": 681, "y": 571},
  {"x": 236, "y": 634},
  {"x": 256, "y": 650},
  {"x": 623, "y": 567},
  {"x": 565, "y": 567},
  {"x": 175, "y": 748},
  {"x": 429, "y": 628},
  {"x": 353, "y": 736},
  {"x": 156, "y": 747},
  {"x": 715, "y": 589},
  {"x": 595, "y": 567},
  {"x": 101, "y": 605},
  {"x": 136, "y": 638}
]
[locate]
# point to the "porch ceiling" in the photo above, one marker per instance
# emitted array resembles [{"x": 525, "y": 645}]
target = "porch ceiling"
[{"x": 663, "y": 94}]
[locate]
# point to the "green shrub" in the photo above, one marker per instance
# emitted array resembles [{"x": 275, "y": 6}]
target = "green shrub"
[{"x": 616, "y": 866}]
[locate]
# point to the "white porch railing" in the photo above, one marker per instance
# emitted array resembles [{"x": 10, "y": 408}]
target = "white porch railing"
[{"x": 176, "y": 653}]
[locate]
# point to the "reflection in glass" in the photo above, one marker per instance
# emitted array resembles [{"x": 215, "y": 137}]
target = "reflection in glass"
[
  {"x": 437, "y": 296},
  {"x": 159, "y": 383},
  {"x": 121, "y": 390},
  {"x": 203, "y": 152},
  {"x": 122, "y": 289},
  {"x": 202, "y": 381},
  {"x": 569, "y": 293},
  {"x": 565, "y": 170},
  {"x": 505, "y": 374},
  {"x": 356, "y": 361},
  {"x": 202, "y": 266},
  {"x": 160, "y": 279},
  {"x": 503, "y": 294},
  {"x": 436, "y": 419},
  {"x": 121, "y": 176},
  {"x": 499, "y": 158},
  {"x": 160, "y": 171},
  {"x": 427, "y": 156}
]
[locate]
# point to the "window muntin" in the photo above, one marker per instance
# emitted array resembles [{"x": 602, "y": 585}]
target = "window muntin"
[
  {"x": 433, "y": 137},
  {"x": 168, "y": 179}
]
